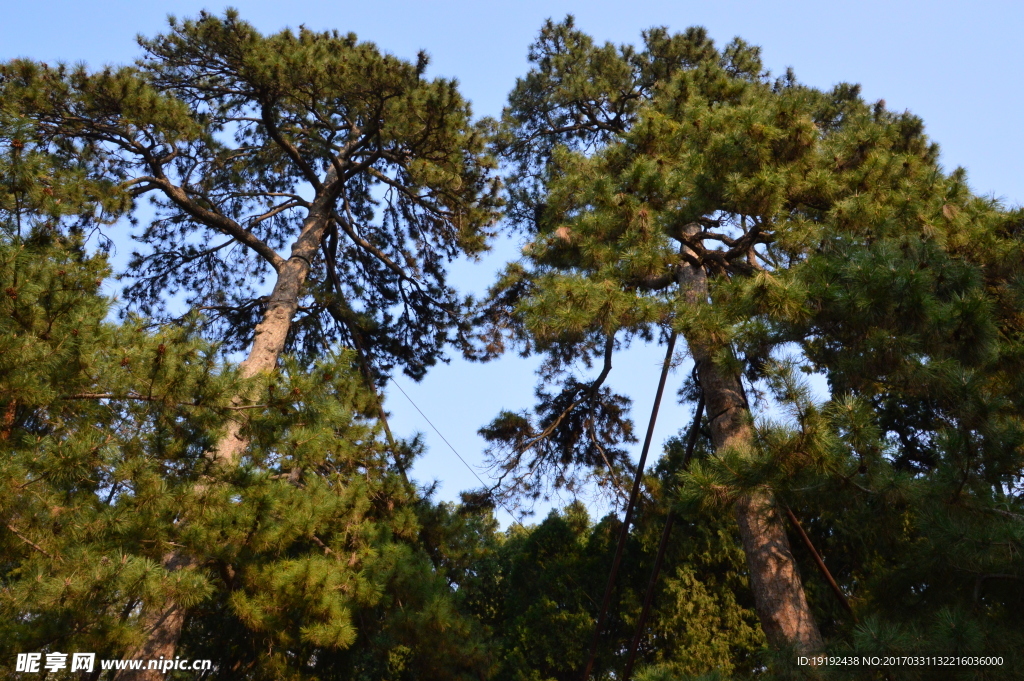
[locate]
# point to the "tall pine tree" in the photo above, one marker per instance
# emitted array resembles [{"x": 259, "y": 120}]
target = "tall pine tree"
[
  {"x": 371, "y": 175},
  {"x": 306, "y": 558},
  {"x": 676, "y": 187}
]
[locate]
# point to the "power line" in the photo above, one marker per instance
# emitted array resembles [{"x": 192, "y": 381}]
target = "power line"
[
  {"x": 454, "y": 451},
  {"x": 626, "y": 521},
  {"x": 473, "y": 471}
]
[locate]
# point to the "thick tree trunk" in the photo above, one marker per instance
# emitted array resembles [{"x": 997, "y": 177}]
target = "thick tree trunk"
[
  {"x": 163, "y": 625},
  {"x": 779, "y": 596},
  {"x": 268, "y": 343}
]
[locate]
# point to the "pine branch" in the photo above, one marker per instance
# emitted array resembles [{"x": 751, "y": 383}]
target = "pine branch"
[
  {"x": 31, "y": 543},
  {"x": 819, "y": 562},
  {"x": 151, "y": 398}
]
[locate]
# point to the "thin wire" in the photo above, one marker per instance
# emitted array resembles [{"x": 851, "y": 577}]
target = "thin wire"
[
  {"x": 627, "y": 520},
  {"x": 691, "y": 441},
  {"x": 471, "y": 470},
  {"x": 454, "y": 451}
]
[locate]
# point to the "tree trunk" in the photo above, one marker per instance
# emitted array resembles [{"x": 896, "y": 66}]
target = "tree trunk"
[
  {"x": 163, "y": 626},
  {"x": 779, "y": 596}
]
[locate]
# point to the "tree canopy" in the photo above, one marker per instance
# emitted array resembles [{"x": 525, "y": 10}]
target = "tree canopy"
[
  {"x": 372, "y": 175},
  {"x": 676, "y": 188},
  {"x": 307, "y": 192}
]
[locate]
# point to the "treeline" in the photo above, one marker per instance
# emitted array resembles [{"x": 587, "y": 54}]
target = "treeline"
[{"x": 296, "y": 199}]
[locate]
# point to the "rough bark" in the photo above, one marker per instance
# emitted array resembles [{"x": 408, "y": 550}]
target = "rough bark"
[
  {"x": 163, "y": 625},
  {"x": 779, "y": 596},
  {"x": 268, "y": 343}
]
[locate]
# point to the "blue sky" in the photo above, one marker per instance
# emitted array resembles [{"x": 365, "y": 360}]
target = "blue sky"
[{"x": 958, "y": 66}]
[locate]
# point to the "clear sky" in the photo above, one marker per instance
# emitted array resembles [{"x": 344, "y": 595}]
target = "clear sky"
[{"x": 958, "y": 65}]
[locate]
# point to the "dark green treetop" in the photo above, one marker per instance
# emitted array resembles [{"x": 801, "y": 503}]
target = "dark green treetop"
[
  {"x": 759, "y": 217},
  {"x": 308, "y": 550},
  {"x": 535, "y": 589},
  {"x": 244, "y": 141}
]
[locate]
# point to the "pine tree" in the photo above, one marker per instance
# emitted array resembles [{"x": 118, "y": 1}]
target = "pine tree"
[
  {"x": 910, "y": 475},
  {"x": 373, "y": 176},
  {"x": 308, "y": 551},
  {"x": 305, "y": 559},
  {"x": 157, "y": 499},
  {"x": 676, "y": 187}
]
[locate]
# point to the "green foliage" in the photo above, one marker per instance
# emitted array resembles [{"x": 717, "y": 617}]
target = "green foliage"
[
  {"x": 827, "y": 233},
  {"x": 41, "y": 193},
  {"x": 248, "y": 144},
  {"x": 306, "y": 557},
  {"x": 536, "y": 589},
  {"x": 832, "y": 242},
  {"x": 92, "y": 416}
]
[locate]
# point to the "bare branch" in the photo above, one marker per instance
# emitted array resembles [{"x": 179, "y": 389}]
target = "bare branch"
[
  {"x": 221, "y": 223},
  {"x": 31, "y": 543},
  {"x": 293, "y": 153}
]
